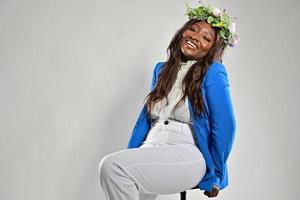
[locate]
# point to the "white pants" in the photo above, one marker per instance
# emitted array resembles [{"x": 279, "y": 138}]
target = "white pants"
[{"x": 167, "y": 162}]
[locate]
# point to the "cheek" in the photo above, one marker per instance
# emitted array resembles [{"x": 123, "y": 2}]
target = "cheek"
[
  {"x": 186, "y": 34},
  {"x": 205, "y": 46}
]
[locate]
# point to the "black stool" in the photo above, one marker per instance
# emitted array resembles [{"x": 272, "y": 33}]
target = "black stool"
[{"x": 183, "y": 193}]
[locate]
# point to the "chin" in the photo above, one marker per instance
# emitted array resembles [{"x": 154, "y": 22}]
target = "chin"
[{"x": 187, "y": 55}]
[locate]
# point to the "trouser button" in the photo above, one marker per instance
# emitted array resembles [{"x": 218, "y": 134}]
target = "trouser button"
[{"x": 166, "y": 122}]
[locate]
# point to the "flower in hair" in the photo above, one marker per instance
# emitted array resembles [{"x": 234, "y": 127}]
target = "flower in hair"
[{"x": 216, "y": 18}]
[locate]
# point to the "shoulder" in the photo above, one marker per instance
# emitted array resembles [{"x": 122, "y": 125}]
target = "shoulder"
[
  {"x": 158, "y": 67},
  {"x": 216, "y": 67},
  {"x": 216, "y": 73}
]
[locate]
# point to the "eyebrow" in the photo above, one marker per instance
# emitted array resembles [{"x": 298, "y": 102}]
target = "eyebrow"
[{"x": 204, "y": 31}]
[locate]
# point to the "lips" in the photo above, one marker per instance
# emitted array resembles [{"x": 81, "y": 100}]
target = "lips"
[{"x": 190, "y": 44}]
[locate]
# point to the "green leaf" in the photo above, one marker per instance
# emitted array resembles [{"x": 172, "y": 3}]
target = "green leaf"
[{"x": 210, "y": 19}]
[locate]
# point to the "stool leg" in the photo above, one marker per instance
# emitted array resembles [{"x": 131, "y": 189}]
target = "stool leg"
[{"x": 182, "y": 195}]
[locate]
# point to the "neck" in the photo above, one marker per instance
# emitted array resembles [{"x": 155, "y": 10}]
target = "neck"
[{"x": 188, "y": 61}]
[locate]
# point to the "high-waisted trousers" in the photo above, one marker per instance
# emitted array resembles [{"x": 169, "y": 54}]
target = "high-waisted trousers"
[{"x": 167, "y": 162}]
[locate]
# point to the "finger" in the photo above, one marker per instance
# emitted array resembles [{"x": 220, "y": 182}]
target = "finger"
[
  {"x": 207, "y": 193},
  {"x": 215, "y": 192},
  {"x": 212, "y": 193}
]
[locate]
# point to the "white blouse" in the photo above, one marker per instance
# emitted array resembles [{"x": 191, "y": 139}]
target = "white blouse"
[{"x": 182, "y": 112}]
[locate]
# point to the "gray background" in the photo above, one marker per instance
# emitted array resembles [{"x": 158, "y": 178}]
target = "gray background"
[{"x": 73, "y": 76}]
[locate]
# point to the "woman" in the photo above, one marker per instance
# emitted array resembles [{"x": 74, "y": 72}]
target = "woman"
[{"x": 185, "y": 131}]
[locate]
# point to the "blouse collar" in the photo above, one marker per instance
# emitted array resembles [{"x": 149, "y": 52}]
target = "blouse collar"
[{"x": 188, "y": 63}]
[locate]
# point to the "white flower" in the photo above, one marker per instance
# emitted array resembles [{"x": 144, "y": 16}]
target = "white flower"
[
  {"x": 216, "y": 12},
  {"x": 232, "y": 27},
  {"x": 234, "y": 40}
]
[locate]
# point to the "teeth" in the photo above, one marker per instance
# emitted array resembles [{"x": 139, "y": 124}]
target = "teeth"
[{"x": 189, "y": 42}]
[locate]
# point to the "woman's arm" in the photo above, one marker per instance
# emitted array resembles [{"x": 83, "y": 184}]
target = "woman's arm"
[
  {"x": 142, "y": 124},
  {"x": 222, "y": 118}
]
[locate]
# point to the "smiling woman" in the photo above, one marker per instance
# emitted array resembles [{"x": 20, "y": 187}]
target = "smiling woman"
[
  {"x": 185, "y": 130},
  {"x": 197, "y": 40}
]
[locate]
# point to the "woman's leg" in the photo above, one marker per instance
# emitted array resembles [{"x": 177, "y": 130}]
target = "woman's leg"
[{"x": 130, "y": 173}]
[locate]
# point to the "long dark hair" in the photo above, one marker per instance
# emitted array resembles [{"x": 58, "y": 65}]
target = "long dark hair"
[{"x": 193, "y": 78}]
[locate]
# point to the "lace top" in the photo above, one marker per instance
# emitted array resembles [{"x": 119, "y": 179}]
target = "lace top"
[{"x": 182, "y": 113}]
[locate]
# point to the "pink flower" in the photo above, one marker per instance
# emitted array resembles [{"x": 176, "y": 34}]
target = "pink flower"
[{"x": 234, "y": 40}]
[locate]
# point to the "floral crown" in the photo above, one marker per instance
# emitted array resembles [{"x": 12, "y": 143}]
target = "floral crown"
[{"x": 216, "y": 18}]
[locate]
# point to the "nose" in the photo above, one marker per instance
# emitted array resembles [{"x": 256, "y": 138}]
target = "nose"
[{"x": 194, "y": 38}]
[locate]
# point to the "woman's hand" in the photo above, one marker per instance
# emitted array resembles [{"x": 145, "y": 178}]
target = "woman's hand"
[{"x": 214, "y": 192}]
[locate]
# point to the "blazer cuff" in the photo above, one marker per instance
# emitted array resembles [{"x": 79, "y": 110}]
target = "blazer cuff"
[{"x": 216, "y": 182}]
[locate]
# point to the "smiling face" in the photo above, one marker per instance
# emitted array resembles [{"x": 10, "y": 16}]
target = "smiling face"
[{"x": 197, "y": 40}]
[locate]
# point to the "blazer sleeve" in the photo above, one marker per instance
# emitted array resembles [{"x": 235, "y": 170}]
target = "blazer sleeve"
[
  {"x": 222, "y": 118},
  {"x": 154, "y": 75},
  {"x": 142, "y": 124}
]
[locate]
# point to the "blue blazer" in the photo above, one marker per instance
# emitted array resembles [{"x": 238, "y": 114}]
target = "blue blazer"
[{"x": 214, "y": 133}]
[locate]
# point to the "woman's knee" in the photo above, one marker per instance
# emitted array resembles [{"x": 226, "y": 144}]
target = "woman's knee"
[{"x": 105, "y": 165}]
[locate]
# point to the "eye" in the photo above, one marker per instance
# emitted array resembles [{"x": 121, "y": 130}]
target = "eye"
[
  {"x": 207, "y": 39},
  {"x": 192, "y": 29}
]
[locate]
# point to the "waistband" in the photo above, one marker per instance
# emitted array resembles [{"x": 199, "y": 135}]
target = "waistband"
[
  {"x": 183, "y": 132},
  {"x": 172, "y": 121}
]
